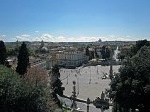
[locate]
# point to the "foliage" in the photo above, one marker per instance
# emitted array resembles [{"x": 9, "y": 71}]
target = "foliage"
[
  {"x": 55, "y": 71},
  {"x": 19, "y": 95},
  {"x": 35, "y": 75},
  {"x": 131, "y": 88},
  {"x": 87, "y": 51},
  {"x": 3, "y": 54},
  {"x": 139, "y": 44},
  {"x": 131, "y": 50},
  {"x": 57, "y": 83},
  {"x": 121, "y": 56},
  {"x": 91, "y": 55},
  {"x": 96, "y": 55},
  {"x": 105, "y": 52},
  {"x": 23, "y": 60},
  {"x": 10, "y": 86},
  {"x": 12, "y": 51}
]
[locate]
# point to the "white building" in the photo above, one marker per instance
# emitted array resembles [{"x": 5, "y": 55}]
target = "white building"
[{"x": 68, "y": 59}]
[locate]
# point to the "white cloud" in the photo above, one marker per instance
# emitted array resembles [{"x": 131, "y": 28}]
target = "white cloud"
[
  {"x": 45, "y": 37},
  {"x": 112, "y": 36},
  {"x": 61, "y": 38},
  {"x": 129, "y": 36},
  {"x": 83, "y": 39},
  {"x": 25, "y": 35},
  {"x": 125, "y": 38},
  {"x": 22, "y": 38},
  {"x": 36, "y": 31},
  {"x": 51, "y": 38},
  {"x": 3, "y": 35}
]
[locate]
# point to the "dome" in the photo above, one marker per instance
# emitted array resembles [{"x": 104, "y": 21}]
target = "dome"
[{"x": 44, "y": 48}]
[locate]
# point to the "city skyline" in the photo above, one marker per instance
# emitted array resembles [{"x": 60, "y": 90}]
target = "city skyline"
[{"x": 74, "y": 20}]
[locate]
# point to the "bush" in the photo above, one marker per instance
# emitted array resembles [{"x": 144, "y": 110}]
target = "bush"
[{"x": 18, "y": 95}]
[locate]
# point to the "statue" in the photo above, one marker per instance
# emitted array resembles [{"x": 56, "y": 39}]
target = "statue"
[{"x": 102, "y": 95}]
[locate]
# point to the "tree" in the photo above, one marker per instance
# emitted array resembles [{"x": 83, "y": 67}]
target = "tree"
[
  {"x": 57, "y": 83},
  {"x": 105, "y": 52},
  {"x": 121, "y": 56},
  {"x": 36, "y": 75},
  {"x": 3, "y": 54},
  {"x": 91, "y": 55},
  {"x": 23, "y": 60},
  {"x": 96, "y": 55},
  {"x": 131, "y": 87},
  {"x": 17, "y": 95},
  {"x": 139, "y": 44},
  {"x": 87, "y": 51}
]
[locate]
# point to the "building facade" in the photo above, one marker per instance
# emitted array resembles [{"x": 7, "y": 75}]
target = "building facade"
[{"x": 68, "y": 59}]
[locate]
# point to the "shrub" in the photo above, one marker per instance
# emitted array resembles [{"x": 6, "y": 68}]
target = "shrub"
[{"x": 18, "y": 95}]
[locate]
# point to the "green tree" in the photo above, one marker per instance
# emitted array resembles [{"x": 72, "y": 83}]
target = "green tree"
[
  {"x": 3, "y": 54},
  {"x": 19, "y": 95},
  {"x": 131, "y": 87},
  {"x": 56, "y": 83},
  {"x": 91, "y": 55},
  {"x": 23, "y": 60},
  {"x": 121, "y": 56},
  {"x": 105, "y": 52},
  {"x": 87, "y": 51},
  {"x": 139, "y": 44},
  {"x": 96, "y": 55}
]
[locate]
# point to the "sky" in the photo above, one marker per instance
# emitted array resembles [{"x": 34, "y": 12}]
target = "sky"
[{"x": 74, "y": 20}]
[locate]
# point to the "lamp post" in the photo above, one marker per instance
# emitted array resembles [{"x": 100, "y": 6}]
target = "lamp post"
[
  {"x": 74, "y": 105},
  {"x": 88, "y": 102}
]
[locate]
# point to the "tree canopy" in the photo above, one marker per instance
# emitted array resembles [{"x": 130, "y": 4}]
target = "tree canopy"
[
  {"x": 105, "y": 52},
  {"x": 139, "y": 44},
  {"x": 23, "y": 60},
  {"x": 19, "y": 95},
  {"x": 131, "y": 87},
  {"x": 3, "y": 54},
  {"x": 87, "y": 52},
  {"x": 57, "y": 85}
]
